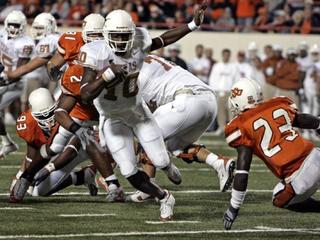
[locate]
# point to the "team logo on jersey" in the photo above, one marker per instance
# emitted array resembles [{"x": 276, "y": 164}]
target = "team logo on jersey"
[
  {"x": 236, "y": 92},
  {"x": 251, "y": 100}
]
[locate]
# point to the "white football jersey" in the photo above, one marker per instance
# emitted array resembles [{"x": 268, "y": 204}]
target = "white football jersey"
[
  {"x": 13, "y": 49},
  {"x": 159, "y": 80},
  {"x": 309, "y": 83},
  {"x": 45, "y": 48},
  {"x": 98, "y": 56}
]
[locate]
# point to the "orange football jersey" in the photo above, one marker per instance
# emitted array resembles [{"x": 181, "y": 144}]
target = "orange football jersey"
[
  {"x": 69, "y": 45},
  {"x": 28, "y": 129},
  {"x": 70, "y": 85},
  {"x": 267, "y": 130}
]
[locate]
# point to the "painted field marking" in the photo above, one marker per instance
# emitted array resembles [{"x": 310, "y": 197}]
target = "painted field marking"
[
  {"x": 16, "y": 208},
  {"x": 10, "y": 166},
  {"x": 315, "y": 231},
  {"x": 210, "y": 169},
  {"x": 88, "y": 215},
  {"x": 171, "y": 222}
]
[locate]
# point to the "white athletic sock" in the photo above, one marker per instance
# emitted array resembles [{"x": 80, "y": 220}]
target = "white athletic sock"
[
  {"x": 213, "y": 161},
  {"x": 111, "y": 178},
  {"x": 73, "y": 177},
  {"x": 6, "y": 139}
]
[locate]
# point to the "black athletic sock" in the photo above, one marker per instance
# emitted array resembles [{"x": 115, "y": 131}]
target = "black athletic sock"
[
  {"x": 115, "y": 182},
  {"x": 141, "y": 181},
  {"x": 309, "y": 205},
  {"x": 80, "y": 177}
]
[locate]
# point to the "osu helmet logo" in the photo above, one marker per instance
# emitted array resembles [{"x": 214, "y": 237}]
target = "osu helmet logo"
[{"x": 236, "y": 92}]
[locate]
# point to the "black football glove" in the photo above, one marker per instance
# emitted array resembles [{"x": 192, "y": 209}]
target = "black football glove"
[{"x": 229, "y": 217}]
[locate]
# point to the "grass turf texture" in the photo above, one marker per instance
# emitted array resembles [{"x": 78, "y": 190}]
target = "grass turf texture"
[{"x": 258, "y": 219}]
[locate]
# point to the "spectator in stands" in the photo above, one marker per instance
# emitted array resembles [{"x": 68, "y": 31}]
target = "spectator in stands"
[
  {"x": 287, "y": 78},
  {"x": 130, "y": 8},
  {"x": 10, "y": 6},
  {"x": 60, "y": 9},
  {"x": 78, "y": 10},
  {"x": 281, "y": 22},
  {"x": 223, "y": 75},
  {"x": 200, "y": 66},
  {"x": 32, "y": 8},
  {"x": 174, "y": 51},
  {"x": 245, "y": 13},
  {"x": 244, "y": 68},
  {"x": 226, "y": 23},
  {"x": 156, "y": 17},
  {"x": 269, "y": 65},
  {"x": 262, "y": 20},
  {"x": 257, "y": 72},
  {"x": 208, "y": 52}
]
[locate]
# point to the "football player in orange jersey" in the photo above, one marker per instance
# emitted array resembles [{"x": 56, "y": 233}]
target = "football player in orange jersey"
[
  {"x": 266, "y": 129},
  {"x": 38, "y": 128},
  {"x": 71, "y": 113}
]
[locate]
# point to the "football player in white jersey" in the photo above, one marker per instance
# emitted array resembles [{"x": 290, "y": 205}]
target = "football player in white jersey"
[
  {"x": 185, "y": 109},
  {"x": 16, "y": 49},
  {"x": 118, "y": 60}
]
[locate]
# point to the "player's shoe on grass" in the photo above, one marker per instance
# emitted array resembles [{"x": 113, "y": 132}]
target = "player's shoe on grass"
[
  {"x": 7, "y": 149},
  {"x": 226, "y": 173},
  {"x": 173, "y": 174},
  {"x": 115, "y": 194},
  {"x": 138, "y": 197},
  {"x": 89, "y": 179},
  {"x": 166, "y": 207},
  {"x": 19, "y": 190}
]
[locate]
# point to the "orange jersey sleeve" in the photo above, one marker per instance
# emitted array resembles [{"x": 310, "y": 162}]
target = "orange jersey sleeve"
[
  {"x": 267, "y": 130},
  {"x": 69, "y": 45},
  {"x": 28, "y": 129}
]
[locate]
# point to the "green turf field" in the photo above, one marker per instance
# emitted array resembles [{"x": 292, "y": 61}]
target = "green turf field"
[{"x": 72, "y": 214}]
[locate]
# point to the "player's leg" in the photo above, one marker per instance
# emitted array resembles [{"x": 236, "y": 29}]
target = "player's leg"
[
  {"x": 8, "y": 144},
  {"x": 295, "y": 194},
  {"x": 119, "y": 140}
]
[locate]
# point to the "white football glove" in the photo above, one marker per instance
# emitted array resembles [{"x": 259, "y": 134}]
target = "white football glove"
[{"x": 85, "y": 135}]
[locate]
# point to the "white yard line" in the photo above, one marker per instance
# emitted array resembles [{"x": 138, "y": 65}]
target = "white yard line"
[
  {"x": 171, "y": 222},
  {"x": 210, "y": 169},
  {"x": 87, "y": 215},
  {"x": 315, "y": 231},
  {"x": 10, "y": 166},
  {"x": 16, "y": 208}
]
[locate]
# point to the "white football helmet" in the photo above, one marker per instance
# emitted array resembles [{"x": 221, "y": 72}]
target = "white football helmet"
[
  {"x": 15, "y": 24},
  {"x": 119, "y": 31},
  {"x": 42, "y": 108},
  {"x": 315, "y": 52},
  {"x": 43, "y": 25},
  {"x": 92, "y": 27},
  {"x": 245, "y": 93}
]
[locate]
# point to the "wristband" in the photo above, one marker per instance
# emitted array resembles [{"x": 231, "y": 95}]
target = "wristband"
[
  {"x": 50, "y": 167},
  {"x": 74, "y": 127},
  {"x": 193, "y": 26},
  {"x": 237, "y": 198},
  {"x": 108, "y": 75}
]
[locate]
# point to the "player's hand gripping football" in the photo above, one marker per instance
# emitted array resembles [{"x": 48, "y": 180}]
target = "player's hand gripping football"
[
  {"x": 199, "y": 13},
  {"x": 114, "y": 74},
  {"x": 229, "y": 217}
]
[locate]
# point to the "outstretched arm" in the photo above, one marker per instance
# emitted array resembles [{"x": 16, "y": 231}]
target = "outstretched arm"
[
  {"x": 239, "y": 185},
  {"x": 306, "y": 121},
  {"x": 26, "y": 68},
  {"x": 175, "y": 34}
]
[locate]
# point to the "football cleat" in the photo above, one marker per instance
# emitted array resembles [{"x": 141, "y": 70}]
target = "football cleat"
[
  {"x": 166, "y": 207},
  {"x": 89, "y": 179},
  {"x": 173, "y": 174},
  {"x": 138, "y": 197},
  {"x": 115, "y": 194},
  {"x": 226, "y": 173},
  {"x": 19, "y": 190},
  {"x": 7, "y": 149}
]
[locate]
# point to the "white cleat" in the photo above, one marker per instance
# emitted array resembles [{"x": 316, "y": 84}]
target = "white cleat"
[
  {"x": 173, "y": 174},
  {"x": 7, "y": 149},
  {"x": 115, "y": 194},
  {"x": 226, "y": 173},
  {"x": 138, "y": 197},
  {"x": 166, "y": 207},
  {"x": 89, "y": 179}
]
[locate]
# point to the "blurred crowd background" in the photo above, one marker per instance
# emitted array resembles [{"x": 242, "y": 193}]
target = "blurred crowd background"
[{"x": 283, "y": 16}]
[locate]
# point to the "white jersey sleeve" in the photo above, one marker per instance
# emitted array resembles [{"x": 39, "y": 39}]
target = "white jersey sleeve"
[
  {"x": 142, "y": 40},
  {"x": 95, "y": 55},
  {"x": 47, "y": 46},
  {"x": 24, "y": 47}
]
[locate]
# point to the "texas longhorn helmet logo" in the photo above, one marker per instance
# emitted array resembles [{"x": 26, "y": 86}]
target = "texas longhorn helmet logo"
[{"x": 236, "y": 92}]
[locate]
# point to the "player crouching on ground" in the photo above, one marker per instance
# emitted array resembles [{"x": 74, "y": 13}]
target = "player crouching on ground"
[
  {"x": 38, "y": 128},
  {"x": 265, "y": 128}
]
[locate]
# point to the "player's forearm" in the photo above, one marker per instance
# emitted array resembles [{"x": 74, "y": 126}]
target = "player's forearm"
[
  {"x": 28, "y": 67},
  {"x": 306, "y": 121},
  {"x": 90, "y": 86},
  {"x": 64, "y": 119}
]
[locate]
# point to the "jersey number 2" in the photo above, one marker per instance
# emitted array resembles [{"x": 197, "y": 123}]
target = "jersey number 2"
[{"x": 267, "y": 135}]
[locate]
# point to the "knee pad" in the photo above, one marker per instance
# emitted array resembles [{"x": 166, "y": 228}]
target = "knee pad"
[
  {"x": 282, "y": 195},
  {"x": 191, "y": 156}
]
